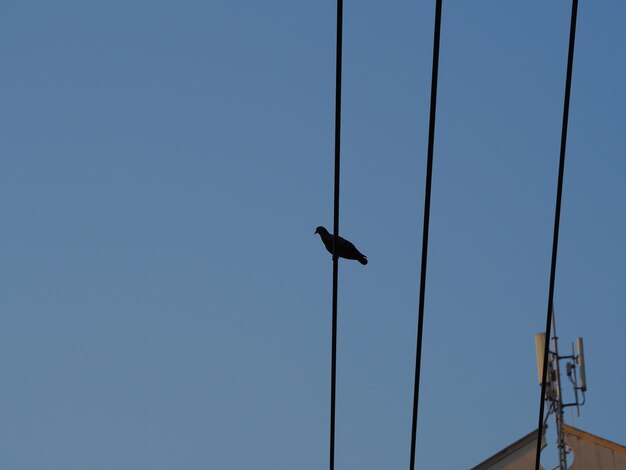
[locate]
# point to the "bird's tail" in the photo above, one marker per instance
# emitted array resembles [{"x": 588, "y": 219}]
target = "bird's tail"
[{"x": 363, "y": 259}]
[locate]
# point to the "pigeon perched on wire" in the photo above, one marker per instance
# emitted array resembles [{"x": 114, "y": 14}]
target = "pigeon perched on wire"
[{"x": 345, "y": 249}]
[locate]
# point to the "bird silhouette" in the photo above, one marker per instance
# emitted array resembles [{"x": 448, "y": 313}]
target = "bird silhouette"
[{"x": 345, "y": 249}]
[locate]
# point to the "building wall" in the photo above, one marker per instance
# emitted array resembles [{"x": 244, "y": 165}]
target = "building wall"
[{"x": 592, "y": 452}]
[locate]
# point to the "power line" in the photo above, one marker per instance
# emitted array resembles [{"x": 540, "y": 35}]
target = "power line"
[
  {"x": 429, "y": 173},
  {"x": 557, "y": 219},
  {"x": 333, "y": 374}
]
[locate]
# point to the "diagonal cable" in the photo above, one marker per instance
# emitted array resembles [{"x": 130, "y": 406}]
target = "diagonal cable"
[
  {"x": 557, "y": 220},
  {"x": 429, "y": 174}
]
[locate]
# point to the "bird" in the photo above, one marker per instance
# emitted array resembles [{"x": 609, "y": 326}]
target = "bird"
[{"x": 345, "y": 249}]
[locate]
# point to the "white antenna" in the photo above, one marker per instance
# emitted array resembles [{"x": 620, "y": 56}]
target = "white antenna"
[
  {"x": 540, "y": 350},
  {"x": 581, "y": 364}
]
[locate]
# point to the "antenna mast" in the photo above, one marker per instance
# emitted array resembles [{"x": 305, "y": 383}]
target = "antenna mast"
[
  {"x": 554, "y": 391},
  {"x": 557, "y": 399}
]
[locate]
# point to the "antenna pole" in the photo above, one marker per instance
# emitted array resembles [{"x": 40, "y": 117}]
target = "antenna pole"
[{"x": 558, "y": 400}]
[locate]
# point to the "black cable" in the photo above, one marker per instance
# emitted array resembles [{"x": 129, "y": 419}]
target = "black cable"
[
  {"x": 333, "y": 378},
  {"x": 429, "y": 173},
  {"x": 557, "y": 220}
]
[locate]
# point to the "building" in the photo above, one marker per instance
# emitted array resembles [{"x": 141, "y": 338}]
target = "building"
[{"x": 589, "y": 452}]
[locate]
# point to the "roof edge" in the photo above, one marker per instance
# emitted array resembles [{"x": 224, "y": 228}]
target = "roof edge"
[{"x": 519, "y": 444}]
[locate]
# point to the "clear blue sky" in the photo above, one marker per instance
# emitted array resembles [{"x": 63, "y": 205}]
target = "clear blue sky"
[{"x": 165, "y": 303}]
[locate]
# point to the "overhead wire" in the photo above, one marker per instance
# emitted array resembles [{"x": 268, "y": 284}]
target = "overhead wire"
[
  {"x": 429, "y": 172},
  {"x": 333, "y": 374},
  {"x": 557, "y": 220}
]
